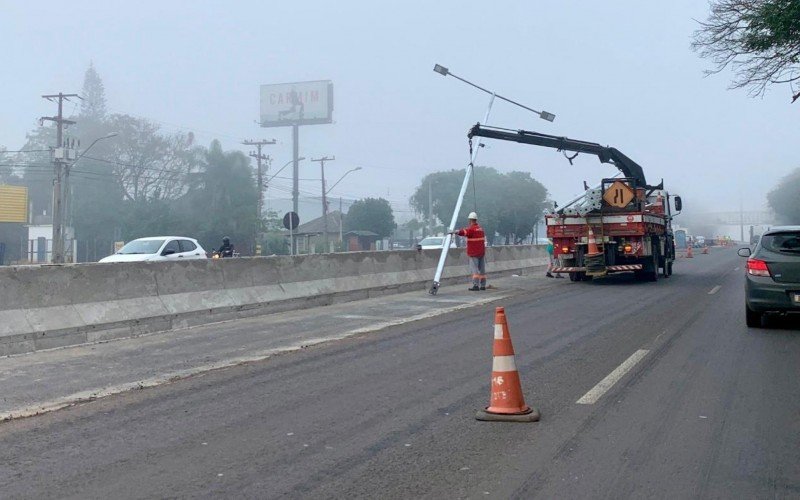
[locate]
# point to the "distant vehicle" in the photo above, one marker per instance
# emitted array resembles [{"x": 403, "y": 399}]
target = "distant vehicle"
[
  {"x": 699, "y": 241},
  {"x": 772, "y": 283},
  {"x": 434, "y": 242},
  {"x": 163, "y": 248}
]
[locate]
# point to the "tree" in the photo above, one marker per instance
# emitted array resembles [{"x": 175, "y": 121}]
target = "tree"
[
  {"x": 784, "y": 198},
  {"x": 758, "y": 39},
  {"x": 509, "y": 204},
  {"x": 371, "y": 214},
  {"x": 221, "y": 199},
  {"x": 148, "y": 165},
  {"x": 93, "y": 105}
]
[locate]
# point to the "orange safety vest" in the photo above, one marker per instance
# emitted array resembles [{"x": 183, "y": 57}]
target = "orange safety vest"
[{"x": 476, "y": 240}]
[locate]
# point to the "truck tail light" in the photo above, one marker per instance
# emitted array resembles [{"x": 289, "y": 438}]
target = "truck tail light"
[
  {"x": 628, "y": 249},
  {"x": 756, "y": 267},
  {"x": 564, "y": 249}
]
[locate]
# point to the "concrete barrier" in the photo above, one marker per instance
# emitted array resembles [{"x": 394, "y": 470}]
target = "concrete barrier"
[{"x": 43, "y": 307}]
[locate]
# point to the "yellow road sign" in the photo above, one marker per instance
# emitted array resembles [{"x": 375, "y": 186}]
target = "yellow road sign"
[
  {"x": 618, "y": 194},
  {"x": 13, "y": 204}
]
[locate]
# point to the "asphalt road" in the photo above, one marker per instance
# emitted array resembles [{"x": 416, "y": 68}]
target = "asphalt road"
[{"x": 709, "y": 409}]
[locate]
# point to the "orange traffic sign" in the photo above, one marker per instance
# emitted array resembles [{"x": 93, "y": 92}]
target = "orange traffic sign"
[{"x": 618, "y": 194}]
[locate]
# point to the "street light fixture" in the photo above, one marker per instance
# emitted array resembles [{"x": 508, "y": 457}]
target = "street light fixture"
[{"x": 544, "y": 115}]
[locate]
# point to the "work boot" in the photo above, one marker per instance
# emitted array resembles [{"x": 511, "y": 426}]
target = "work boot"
[
  {"x": 549, "y": 275},
  {"x": 474, "y": 288},
  {"x": 559, "y": 276},
  {"x": 483, "y": 288}
]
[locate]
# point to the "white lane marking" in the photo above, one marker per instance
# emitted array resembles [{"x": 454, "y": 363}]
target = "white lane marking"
[
  {"x": 607, "y": 383},
  {"x": 714, "y": 290},
  {"x": 736, "y": 268}
]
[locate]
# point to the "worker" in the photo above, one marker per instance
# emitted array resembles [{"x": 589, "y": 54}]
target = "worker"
[
  {"x": 552, "y": 260},
  {"x": 476, "y": 251}
]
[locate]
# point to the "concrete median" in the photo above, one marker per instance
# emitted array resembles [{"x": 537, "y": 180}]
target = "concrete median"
[{"x": 44, "y": 307}]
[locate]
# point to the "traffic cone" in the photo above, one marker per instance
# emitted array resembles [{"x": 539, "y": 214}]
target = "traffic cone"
[
  {"x": 592, "y": 250},
  {"x": 506, "y": 403},
  {"x": 705, "y": 249},
  {"x": 689, "y": 252}
]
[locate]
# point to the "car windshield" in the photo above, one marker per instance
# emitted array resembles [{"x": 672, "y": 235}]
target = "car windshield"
[
  {"x": 788, "y": 242},
  {"x": 141, "y": 247},
  {"x": 431, "y": 241}
]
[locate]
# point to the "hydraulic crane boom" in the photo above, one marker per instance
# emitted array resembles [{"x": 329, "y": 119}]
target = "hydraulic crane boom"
[{"x": 628, "y": 167}]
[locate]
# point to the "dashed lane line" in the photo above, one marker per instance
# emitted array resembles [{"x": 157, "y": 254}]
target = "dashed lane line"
[
  {"x": 714, "y": 290},
  {"x": 612, "y": 378}
]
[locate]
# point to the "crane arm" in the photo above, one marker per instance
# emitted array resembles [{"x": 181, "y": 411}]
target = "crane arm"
[{"x": 628, "y": 167}]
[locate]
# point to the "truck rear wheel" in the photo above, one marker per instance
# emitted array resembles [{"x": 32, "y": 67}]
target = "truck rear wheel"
[{"x": 650, "y": 268}]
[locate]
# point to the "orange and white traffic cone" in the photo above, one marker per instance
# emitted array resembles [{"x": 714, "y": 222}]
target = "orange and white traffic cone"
[
  {"x": 506, "y": 403},
  {"x": 689, "y": 252},
  {"x": 705, "y": 249},
  {"x": 593, "y": 249}
]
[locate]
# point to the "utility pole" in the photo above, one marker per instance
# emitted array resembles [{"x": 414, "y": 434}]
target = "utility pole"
[
  {"x": 260, "y": 203},
  {"x": 324, "y": 198},
  {"x": 259, "y": 158},
  {"x": 60, "y": 157}
]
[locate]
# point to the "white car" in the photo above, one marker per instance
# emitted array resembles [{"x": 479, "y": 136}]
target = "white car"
[
  {"x": 434, "y": 243},
  {"x": 163, "y": 248}
]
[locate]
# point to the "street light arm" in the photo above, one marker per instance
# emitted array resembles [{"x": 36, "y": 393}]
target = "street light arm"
[
  {"x": 109, "y": 136},
  {"x": 544, "y": 115},
  {"x": 340, "y": 179},
  {"x": 287, "y": 164}
]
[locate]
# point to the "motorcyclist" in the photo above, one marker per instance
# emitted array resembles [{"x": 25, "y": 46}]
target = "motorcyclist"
[{"x": 226, "y": 250}]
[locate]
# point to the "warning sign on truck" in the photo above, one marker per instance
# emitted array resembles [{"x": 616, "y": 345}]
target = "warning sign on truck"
[{"x": 618, "y": 194}]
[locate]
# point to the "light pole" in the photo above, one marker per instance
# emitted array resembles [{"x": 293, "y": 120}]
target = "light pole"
[
  {"x": 295, "y": 161},
  {"x": 67, "y": 211},
  {"x": 544, "y": 115},
  {"x": 325, "y": 204}
]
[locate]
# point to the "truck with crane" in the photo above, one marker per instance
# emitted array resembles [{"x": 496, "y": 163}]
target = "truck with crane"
[{"x": 622, "y": 225}]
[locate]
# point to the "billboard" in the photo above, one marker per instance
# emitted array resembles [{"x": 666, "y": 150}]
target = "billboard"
[
  {"x": 13, "y": 204},
  {"x": 300, "y": 103}
]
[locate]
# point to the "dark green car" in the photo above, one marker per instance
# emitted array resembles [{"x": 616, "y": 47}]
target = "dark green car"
[{"x": 773, "y": 274}]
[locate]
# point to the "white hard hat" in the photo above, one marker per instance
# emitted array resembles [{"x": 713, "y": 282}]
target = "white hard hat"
[{"x": 472, "y": 215}]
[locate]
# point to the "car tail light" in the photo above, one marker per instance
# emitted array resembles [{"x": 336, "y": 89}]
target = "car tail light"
[
  {"x": 757, "y": 267},
  {"x": 564, "y": 249},
  {"x": 628, "y": 249}
]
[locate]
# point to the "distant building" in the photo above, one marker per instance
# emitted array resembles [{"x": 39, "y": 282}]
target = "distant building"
[
  {"x": 39, "y": 249},
  {"x": 360, "y": 240},
  {"x": 310, "y": 237}
]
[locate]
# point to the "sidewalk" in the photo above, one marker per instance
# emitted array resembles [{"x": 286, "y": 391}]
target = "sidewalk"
[{"x": 47, "y": 380}]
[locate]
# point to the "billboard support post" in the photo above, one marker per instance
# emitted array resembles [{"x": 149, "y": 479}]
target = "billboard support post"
[{"x": 295, "y": 168}]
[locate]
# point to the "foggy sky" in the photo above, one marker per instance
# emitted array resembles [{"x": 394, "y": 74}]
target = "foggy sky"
[{"x": 619, "y": 73}]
